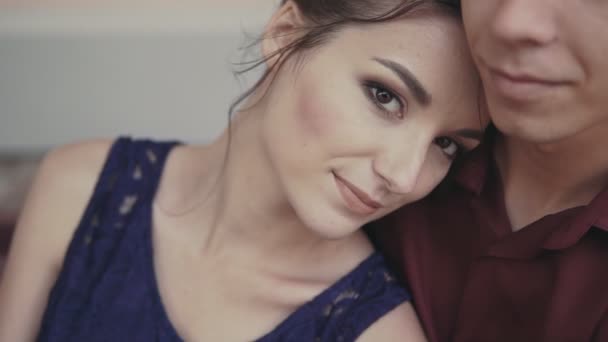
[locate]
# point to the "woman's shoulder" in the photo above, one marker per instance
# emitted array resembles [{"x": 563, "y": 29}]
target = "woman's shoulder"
[
  {"x": 59, "y": 193},
  {"x": 400, "y": 324},
  {"x": 383, "y": 310},
  {"x": 68, "y": 173},
  {"x": 61, "y": 189},
  {"x": 81, "y": 159}
]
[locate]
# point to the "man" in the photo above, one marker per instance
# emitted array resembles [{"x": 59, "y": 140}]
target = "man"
[{"x": 514, "y": 245}]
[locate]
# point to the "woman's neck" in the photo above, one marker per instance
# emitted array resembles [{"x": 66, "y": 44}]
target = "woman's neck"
[{"x": 241, "y": 205}]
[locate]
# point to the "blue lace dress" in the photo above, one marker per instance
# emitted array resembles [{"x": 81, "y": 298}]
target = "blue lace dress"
[{"x": 107, "y": 290}]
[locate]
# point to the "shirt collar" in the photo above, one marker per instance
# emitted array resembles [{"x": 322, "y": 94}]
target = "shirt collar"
[
  {"x": 473, "y": 174},
  {"x": 592, "y": 216}
]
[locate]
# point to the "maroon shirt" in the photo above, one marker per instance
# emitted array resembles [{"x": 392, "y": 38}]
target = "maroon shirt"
[{"x": 473, "y": 279}]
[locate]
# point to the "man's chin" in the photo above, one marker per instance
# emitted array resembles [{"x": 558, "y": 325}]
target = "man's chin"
[
  {"x": 540, "y": 132},
  {"x": 534, "y": 128}
]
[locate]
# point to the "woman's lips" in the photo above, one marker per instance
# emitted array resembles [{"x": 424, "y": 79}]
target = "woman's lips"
[{"x": 356, "y": 199}]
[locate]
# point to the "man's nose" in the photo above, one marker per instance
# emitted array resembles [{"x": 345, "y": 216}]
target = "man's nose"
[{"x": 531, "y": 22}]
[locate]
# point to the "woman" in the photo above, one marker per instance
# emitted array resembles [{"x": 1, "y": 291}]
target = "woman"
[{"x": 363, "y": 107}]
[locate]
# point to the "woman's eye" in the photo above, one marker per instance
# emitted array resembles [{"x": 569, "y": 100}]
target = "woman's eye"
[
  {"x": 386, "y": 100},
  {"x": 449, "y": 146}
]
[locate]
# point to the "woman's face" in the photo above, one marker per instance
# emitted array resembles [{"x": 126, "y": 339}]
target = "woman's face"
[{"x": 371, "y": 120}]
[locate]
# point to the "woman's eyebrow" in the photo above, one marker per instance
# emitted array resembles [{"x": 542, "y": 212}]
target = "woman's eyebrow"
[{"x": 409, "y": 80}]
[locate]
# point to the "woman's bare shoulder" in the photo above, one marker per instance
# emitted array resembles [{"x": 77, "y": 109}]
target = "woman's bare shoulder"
[
  {"x": 59, "y": 193},
  {"x": 57, "y": 198}
]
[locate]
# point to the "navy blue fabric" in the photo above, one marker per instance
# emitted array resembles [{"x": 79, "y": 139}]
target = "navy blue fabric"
[{"x": 107, "y": 290}]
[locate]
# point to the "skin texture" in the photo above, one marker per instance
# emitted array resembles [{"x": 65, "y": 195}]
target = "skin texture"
[
  {"x": 544, "y": 73},
  {"x": 277, "y": 210}
]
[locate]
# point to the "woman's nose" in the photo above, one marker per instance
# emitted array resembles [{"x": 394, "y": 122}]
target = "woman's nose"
[{"x": 400, "y": 168}]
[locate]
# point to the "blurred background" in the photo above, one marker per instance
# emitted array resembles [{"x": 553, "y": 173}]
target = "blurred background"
[{"x": 81, "y": 69}]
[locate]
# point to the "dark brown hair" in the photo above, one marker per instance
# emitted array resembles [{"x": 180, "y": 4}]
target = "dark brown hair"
[{"x": 326, "y": 18}]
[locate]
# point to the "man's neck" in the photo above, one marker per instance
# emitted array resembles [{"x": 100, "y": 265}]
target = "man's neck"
[{"x": 544, "y": 179}]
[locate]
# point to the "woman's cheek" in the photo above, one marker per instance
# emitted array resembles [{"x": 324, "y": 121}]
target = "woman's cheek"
[{"x": 317, "y": 117}]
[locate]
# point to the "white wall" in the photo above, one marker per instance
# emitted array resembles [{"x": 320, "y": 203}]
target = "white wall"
[{"x": 68, "y": 74}]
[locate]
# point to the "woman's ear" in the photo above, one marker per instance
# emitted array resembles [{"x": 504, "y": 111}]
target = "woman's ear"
[{"x": 282, "y": 29}]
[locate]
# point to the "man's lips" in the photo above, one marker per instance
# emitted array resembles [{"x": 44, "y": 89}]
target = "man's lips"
[
  {"x": 522, "y": 77},
  {"x": 521, "y": 86}
]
